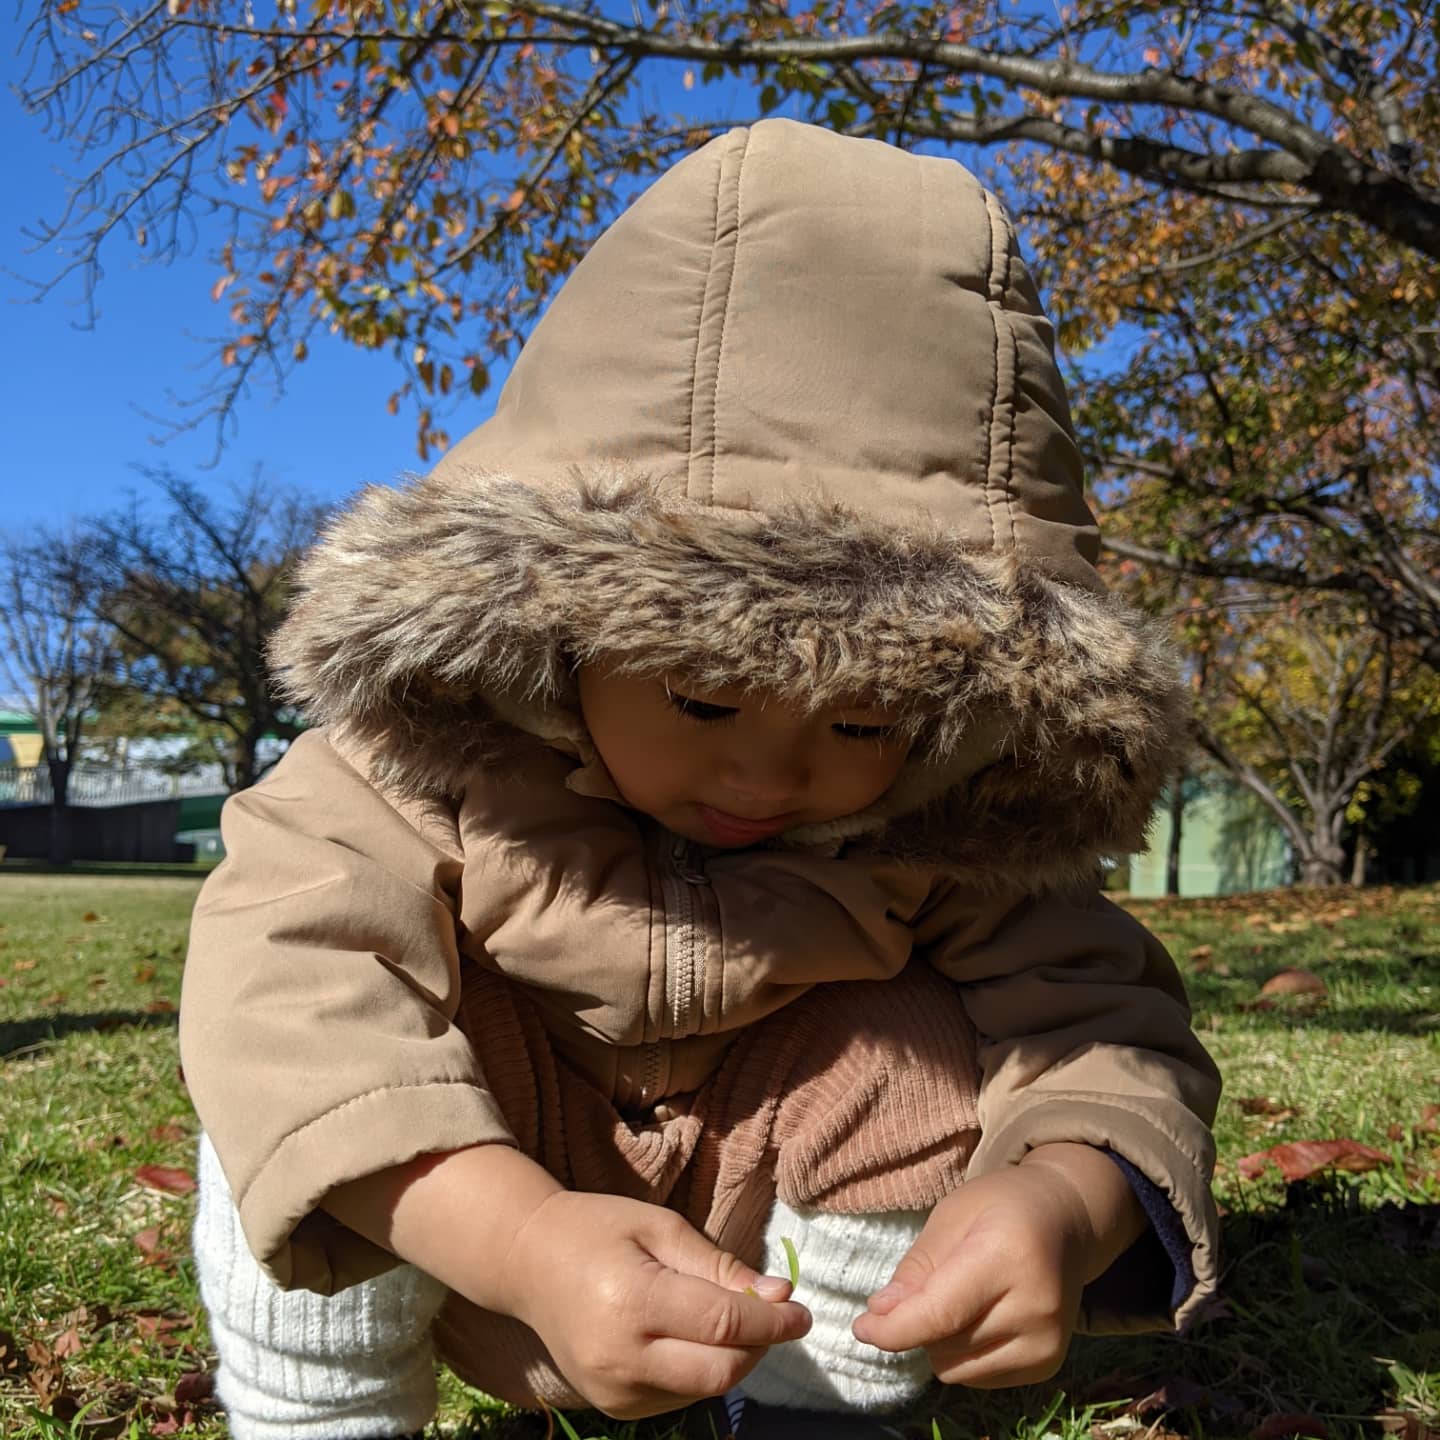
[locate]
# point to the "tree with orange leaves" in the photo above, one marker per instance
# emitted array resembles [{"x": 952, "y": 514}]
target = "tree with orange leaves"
[{"x": 1238, "y": 199}]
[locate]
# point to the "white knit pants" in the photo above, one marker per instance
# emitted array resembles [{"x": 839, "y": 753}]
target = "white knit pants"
[
  {"x": 300, "y": 1366},
  {"x": 359, "y": 1365}
]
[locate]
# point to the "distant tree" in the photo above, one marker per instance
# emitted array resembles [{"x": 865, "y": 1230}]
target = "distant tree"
[
  {"x": 1391, "y": 817},
  {"x": 1303, "y": 709},
  {"x": 59, "y": 659},
  {"x": 193, "y": 594},
  {"x": 1284, "y": 437}
]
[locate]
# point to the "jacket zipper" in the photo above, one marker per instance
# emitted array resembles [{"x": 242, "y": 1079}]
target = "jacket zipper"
[
  {"x": 685, "y": 981},
  {"x": 682, "y": 875}
]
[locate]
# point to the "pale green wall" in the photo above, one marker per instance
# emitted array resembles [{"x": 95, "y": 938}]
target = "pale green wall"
[{"x": 1228, "y": 842}]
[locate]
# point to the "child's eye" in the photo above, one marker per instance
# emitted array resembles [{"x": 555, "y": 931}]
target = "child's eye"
[
  {"x": 865, "y": 732},
  {"x": 699, "y": 710}
]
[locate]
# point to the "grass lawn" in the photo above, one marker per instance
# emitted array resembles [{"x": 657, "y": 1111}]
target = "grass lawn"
[{"x": 1328, "y": 1324}]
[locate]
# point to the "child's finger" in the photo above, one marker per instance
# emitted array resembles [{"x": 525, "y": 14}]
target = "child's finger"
[
  {"x": 911, "y": 1275},
  {"x": 679, "y": 1246},
  {"x": 925, "y": 1316},
  {"x": 688, "y": 1369},
  {"x": 688, "y": 1308}
]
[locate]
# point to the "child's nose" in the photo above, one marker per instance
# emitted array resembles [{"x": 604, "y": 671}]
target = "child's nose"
[{"x": 768, "y": 780}]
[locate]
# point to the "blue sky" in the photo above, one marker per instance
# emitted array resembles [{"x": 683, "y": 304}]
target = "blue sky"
[{"x": 75, "y": 435}]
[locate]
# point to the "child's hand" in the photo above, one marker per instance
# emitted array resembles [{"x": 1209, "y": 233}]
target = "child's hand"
[
  {"x": 991, "y": 1289},
  {"x": 639, "y": 1310}
]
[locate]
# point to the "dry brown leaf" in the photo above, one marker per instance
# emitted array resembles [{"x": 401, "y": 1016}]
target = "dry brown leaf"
[
  {"x": 169, "y": 1178},
  {"x": 1280, "y": 1427},
  {"x": 193, "y": 1387},
  {"x": 1300, "y": 1159},
  {"x": 1263, "y": 1105},
  {"x": 67, "y": 1343},
  {"x": 1294, "y": 982}
]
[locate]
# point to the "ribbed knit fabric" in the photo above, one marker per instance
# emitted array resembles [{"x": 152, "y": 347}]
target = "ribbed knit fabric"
[
  {"x": 843, "y": 1259},
  {"x": 300, "y": 1366}
]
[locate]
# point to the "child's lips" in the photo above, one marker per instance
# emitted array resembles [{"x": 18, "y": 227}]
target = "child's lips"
[{"x": 736, "y": 827}]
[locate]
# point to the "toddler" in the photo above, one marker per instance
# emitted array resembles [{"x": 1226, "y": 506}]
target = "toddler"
[{"x": 698, "y": 850}]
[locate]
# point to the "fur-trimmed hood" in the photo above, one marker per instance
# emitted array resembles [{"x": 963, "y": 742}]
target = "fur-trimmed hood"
[{"x": 794, "y": 422}]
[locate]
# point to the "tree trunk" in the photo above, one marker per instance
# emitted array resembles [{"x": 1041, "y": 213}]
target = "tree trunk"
[
  {"x": 1322, "y": 860},
  {"x": 1362, "y": 857},
  {"x": 246, "y": 763},
  {"x": 1177, "y": 817},
  {"x": 59, "y": 812}
]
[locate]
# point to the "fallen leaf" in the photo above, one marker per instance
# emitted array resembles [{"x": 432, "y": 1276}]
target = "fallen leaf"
[
  {"x": 1406, "y": 1425},
  {"x": 1294, "y": 982},
  {"x": 1278, "y": 1427},
  {"x": 144, "y": 973},
  {"x": 170, "y": 1130},
  {"x": 1264, "y": 1105},
  {"x": 67, "y": 1343},
  {"x": 194, "y": 1386},
  {"x": 89, "y": 917},
  {"x": 1300, "y": 1159},
  {"x": 24, "y": 965},
  {"x": 155, "y": 1327},
  {"x": 159, "y": 1007},
  {"x": 148, "y": 1241},
  {"x": 169, "y": 1178},
  {"x": 12, "y": 1357},
  {"x": 1175, "y": 1392}
]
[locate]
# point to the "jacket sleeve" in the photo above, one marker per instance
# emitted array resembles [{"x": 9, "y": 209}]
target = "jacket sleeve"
[
  {"x": 316, "y": 1012},
  {"x": 1085, "y": 1036}
]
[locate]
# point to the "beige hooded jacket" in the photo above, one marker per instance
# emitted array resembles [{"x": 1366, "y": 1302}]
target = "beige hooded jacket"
[{"x": 795, "y": 421}]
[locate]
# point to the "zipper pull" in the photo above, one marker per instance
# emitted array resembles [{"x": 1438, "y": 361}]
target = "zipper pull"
[{"x": 687, "y": 867}]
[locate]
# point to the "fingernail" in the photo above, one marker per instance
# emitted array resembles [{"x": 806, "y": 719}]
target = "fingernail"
[
  {"x": 771, "y": 1287},
  {"x": 889, "y": 1292}
]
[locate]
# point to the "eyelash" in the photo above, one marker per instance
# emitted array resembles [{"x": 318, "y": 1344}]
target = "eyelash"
[
  {"x": 699, "y": 711},
  {"x": 704, "y": 714}
]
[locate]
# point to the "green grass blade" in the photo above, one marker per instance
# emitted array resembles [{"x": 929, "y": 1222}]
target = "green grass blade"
[{"x": 792, "y": 1259}]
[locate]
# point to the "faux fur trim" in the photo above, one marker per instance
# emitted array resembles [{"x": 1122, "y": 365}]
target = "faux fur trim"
[{"x": 430, "y": 612}]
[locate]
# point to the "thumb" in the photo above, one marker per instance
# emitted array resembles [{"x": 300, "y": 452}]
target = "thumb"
[
  {"x": 910, "y": 1276},
  {"x": 676, "y": 1243}
]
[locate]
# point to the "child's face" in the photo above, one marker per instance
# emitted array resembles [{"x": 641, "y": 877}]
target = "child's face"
[{"x": 732, "y": 767}]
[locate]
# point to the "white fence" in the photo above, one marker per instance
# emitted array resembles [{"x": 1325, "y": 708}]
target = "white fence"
[{"x": 105, "y": 784}]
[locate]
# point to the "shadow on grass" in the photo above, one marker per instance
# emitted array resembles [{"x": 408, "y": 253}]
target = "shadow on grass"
[
  {"x": 20, "y": 1037},
  {"x": 1325, "y": 1310}
]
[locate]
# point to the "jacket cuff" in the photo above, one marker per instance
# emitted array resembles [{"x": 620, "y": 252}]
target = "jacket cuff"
[
  {"x": 1138, "y": 1292},
  {"x": 1165, "y": 1227},
  {"x": 302, "y": 1248}
]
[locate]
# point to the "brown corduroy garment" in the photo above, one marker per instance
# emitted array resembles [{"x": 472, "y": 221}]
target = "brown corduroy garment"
[{"x": 857, "y": 1098}]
